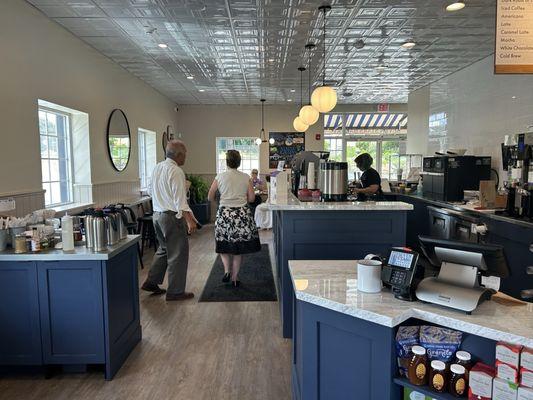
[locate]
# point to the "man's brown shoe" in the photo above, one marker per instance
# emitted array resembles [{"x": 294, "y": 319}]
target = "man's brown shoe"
[
  {"x": 178, "y": 297},
  {"x": 152, "y": 287}
]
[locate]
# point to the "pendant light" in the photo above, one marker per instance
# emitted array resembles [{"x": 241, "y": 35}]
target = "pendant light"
[
  {"x": 308, "y": 113},
  {"x": 298, "y": 124},
  {"x": 324, "y": 98},
  {"x": 262, "y": 135}
]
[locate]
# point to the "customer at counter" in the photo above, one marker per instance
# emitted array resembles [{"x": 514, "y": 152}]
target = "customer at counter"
[
  {"x": 173, "y": 219},
  {"x": 370, "y": 180}
]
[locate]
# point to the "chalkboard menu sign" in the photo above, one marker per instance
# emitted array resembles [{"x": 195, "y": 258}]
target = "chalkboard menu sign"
[
  {"x": 286, "y": 146},
  {"x": 514, "y": 37}
]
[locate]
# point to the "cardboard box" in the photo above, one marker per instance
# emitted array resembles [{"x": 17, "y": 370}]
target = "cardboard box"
[
  {"x": 525, "y": 393},
  {"x": 509, "y": 354},
  {"x": 506, "y": 372},
  {"x": 480, "y": 382},
  {"x": 410, "y": 394},
  {"x": 526, "y": 378},
  {"x": 503, "y": 390},
  {"x": 526, "y": 359}
]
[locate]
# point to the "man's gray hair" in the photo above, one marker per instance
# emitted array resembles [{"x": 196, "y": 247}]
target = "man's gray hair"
[{"x": 174, "y": 148}]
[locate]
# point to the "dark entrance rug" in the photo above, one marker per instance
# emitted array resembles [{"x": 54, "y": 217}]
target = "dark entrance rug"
[{"x": 257, "y": 280}]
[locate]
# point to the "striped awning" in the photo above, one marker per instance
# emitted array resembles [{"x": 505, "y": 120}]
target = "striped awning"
[{"x": 367, "y": 120}]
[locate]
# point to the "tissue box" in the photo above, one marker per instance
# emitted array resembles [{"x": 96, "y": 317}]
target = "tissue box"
[
  {"x": 526, "y": 378},
  {"x": 509, "y": 354},
  {"x": 503, "y": 390},
  {"x": 525, "y": 393},
  {"x": 480, "y": 382},
  {"x": 506, "y": 372}
]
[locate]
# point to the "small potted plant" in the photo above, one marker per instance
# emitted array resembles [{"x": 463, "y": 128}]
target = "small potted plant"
[{"x": 198, "y": 202}]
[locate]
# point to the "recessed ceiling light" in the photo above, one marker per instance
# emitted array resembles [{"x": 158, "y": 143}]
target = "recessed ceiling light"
[
  {"x": 190, "y": 77},
  {"x": 408, "y": 45},
  {"x": 293, "y": 90},
  {"x": 289, "y": 99},
  {"x": 458, "y": 5},
  {"x": 162, "y": 45},
  {"x": 271, "y": 60},
  {"x": 201, "y": 90},
  {"x": 514, "y": 97}
]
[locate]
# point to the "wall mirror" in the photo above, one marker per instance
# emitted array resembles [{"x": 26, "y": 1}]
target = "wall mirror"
[{"x": 118, "y": 139}]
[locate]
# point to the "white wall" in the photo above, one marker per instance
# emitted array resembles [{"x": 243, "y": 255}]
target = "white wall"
[
  {"x": 201, "y": 125},
  {"x": 41, "y": 60},
  {"x": 418, "y": 125},
  {"x": 480, "y": 109}
]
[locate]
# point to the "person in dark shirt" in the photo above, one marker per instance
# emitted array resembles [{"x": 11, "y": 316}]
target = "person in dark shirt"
[{"x": 370, "y": 179}]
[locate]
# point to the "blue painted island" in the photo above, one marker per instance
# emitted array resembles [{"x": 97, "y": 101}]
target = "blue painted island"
[
  {"x": 331, "y": 231},
  {"x": 70, "y": 309},
  {"x": 344, "y": 340}
]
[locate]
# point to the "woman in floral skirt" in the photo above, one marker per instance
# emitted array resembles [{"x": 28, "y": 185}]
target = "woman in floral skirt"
[{"x": 235, "y": 230}]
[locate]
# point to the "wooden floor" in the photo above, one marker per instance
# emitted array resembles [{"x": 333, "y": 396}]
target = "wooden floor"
[{"x": 189, "y": 351}]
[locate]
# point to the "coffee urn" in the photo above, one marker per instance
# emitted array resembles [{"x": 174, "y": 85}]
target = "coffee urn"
[{"x": 334, "y": 180}]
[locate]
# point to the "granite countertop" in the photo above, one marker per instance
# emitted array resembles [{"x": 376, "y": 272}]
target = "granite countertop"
[
  {"x": 333, "y": 285},
  {"x": 290, "y": 202},
  {"x": 79, "y": 253},
  {"x": 469, "y": 209}
]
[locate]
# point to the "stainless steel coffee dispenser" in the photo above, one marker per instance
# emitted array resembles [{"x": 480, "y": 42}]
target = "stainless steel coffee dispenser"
[{"x": 334, "y": 180}]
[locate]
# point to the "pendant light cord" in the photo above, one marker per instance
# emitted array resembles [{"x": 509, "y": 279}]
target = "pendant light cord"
[
  {"x": 309, "y": 66},
  {"x": 324, "y": 40},
  {"x": 263, "y": 119}
]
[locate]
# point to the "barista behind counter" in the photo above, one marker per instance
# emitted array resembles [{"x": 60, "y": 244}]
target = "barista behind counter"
[{"x": 370, "y": 180}]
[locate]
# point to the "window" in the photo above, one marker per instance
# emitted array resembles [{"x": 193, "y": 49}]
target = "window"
[
  {"x": 147, "y": 156},
  {"x": 382, "y": 135},
  {"x": 54, "y": 130},
  {"x": 245, "y": 145}
]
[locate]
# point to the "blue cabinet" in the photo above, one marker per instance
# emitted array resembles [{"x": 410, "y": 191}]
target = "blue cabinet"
[
  {"x": 70, "y": 295},
  {"x": 20, "y": 332}
]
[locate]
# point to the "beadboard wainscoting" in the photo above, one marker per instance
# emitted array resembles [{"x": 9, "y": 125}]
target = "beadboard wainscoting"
[
  {"x": 111, "y": 192},
  {"x": 25, "y": 202}
]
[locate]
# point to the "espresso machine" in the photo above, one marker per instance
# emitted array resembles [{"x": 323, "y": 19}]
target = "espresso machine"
[
  {"x": 517, "y": 159},
  {"x": 301, "y": 169}
]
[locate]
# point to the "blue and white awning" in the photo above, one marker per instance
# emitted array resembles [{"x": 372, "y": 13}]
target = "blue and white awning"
[{"x": 367, "y": 121}]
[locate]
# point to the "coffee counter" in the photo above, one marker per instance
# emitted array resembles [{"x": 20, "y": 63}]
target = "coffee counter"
[
  {"x": 344, "y": 340},
  {"x": 340, "y": 230},
  {"x": 70, "y": 309}
]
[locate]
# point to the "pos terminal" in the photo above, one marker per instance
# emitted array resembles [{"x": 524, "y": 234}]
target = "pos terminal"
[{"x": 399, "y": 272}]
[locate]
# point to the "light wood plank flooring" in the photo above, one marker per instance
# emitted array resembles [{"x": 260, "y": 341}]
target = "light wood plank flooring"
[{"x": 189, "y": 351}]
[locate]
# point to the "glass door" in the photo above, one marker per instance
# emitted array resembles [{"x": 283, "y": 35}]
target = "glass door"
[{"x": 354, "y": 147}]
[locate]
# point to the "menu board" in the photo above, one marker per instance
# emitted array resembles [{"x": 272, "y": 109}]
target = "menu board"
[
  {"x": 286, "y": 146},
  {"x": 514, "y": 37}
]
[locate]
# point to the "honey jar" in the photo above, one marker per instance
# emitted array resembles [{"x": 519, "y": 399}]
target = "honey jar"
[
  {"x": 438, "y": 381},
  {"x": 458, "y": 386},
  {"x": 417, "y": 371}
]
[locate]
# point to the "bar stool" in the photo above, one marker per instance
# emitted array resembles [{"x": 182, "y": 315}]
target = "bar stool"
[
  {"x": 145, "y": 227},
  {"x": 131, "y": 227}
]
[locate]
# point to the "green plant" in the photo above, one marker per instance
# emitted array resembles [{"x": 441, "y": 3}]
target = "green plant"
[{"x": 198, "y": 190}]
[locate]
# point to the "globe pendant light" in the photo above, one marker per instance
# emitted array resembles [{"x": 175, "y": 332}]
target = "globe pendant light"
[
  {"x": 298, "y": 124},
  {"x": 324, "y": 98},
  {"x": 262, "y": 135},
  {"x": 308, "y": 113}
]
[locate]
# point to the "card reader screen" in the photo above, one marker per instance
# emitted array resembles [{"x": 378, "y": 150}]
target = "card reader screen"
[{"x": 401, "y": 259}]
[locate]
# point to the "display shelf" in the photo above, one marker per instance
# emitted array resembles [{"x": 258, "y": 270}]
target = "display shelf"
[{"x": 424, "y": 389}]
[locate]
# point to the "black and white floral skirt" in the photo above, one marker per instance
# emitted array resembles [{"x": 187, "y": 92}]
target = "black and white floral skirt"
[{"x": 235, "y": 231}]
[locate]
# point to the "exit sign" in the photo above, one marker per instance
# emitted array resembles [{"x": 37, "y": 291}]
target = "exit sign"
[{"x": 383, "y": 107}]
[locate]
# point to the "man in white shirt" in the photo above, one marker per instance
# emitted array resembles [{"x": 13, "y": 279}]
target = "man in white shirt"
[{"x": 173, "y": 221}]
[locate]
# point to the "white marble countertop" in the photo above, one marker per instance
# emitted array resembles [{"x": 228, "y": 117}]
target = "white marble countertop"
[
  {"x": 290, "y": 202},
  {"x": 79, "y": 253},
  {"x": 333, "y": 285}
]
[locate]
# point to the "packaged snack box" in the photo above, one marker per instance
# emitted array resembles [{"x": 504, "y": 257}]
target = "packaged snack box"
[
  {"x": 526, "y": 359},
  {"x": 526, "y": 378},
  {"x": 506, "y": 372},
  {"x": 503, "y": 390},
  {"x": 509, "y": 354},
  {"x": 410, "y": 394},
  {"x": 480, "y": 382},
  {"x": 525, "y": 393}
]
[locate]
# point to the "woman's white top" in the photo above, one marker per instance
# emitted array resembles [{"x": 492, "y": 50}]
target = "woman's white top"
[{"x": 233, "y": 188}]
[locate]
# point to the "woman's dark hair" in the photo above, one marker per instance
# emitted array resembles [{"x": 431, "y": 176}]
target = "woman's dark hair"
[
  {"x": 364, "y": 161},
  {"x": 233, "y": 159}
]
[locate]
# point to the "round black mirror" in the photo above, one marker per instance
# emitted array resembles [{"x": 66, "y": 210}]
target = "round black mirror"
[{"x": 118, "y": 139}]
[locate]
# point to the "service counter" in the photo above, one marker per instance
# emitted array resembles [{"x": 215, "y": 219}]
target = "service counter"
[
  {"x": 337, "y": 230},
  {"x": 70, "y": 309},
  {"x": 344, "y": 340}
]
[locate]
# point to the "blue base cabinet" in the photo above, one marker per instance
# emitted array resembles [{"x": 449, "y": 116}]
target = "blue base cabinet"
[
  {"x": 70, "y": 312},
  {"x": 329, "y": 235}
]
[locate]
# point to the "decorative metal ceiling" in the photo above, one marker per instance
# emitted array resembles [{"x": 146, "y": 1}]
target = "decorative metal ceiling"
[{"x": 238, "y": 51}]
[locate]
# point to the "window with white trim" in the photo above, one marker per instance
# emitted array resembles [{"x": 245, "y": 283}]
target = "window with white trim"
[
  {"x": 56, "y": 156},
  {"x": 244, "y": 145},
  {"x": 147, "y": 156}
]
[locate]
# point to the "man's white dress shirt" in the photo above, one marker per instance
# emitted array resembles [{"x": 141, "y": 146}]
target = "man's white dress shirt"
[{"x": 168, "y": 189}]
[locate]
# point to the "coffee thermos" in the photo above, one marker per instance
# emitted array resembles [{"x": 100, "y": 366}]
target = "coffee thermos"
[
  {"x": 100, "y": 231},
  {"x": 334, "y": 181}
]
